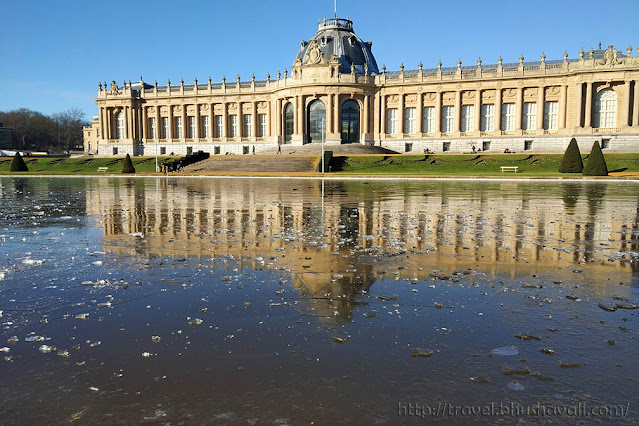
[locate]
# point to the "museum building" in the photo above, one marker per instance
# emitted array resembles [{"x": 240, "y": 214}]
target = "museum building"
[{"x": 336, "y": 92}]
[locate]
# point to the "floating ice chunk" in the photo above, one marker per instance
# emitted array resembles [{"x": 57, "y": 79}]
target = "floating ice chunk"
[
  {"x": 146, "y": 354},
  {"x": 515, "y": 385},
  {"x": 82, "y": 317},
  {"x": 137, "y": 234},
  {"x": 12, "y": 340},
  {"x": 64, "y": 354},
  {"x": 505, "y": 351},
  {"x": 34, "y": 339},
  {"x": 104, "y": 305},
  {"x": 46, "y": 349},
  {"x": 94, "y": 389},
  {"x": 156, "y": 339},
  {"x": 29, "y": 261},
  {"x": 97, "y": 263},
  {"x": 5, "y": 349},
  {"x": 195, "y": 322}
]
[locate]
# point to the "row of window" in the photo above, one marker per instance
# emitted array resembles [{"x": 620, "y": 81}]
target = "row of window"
[
  {"x": 205, "y": 127},
  {"x": 487, "y": 122}
]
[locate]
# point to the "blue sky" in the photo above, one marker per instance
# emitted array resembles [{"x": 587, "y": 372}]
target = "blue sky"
[{"x": 54, "y": 54}]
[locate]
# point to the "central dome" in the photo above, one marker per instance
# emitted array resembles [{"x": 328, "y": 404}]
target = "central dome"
[{"x": 335, "y": 36}]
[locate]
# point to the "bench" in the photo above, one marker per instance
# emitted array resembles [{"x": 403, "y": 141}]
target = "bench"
[
  {"x": 103, "y": 169},
  {"x": 514, "y": 169}
]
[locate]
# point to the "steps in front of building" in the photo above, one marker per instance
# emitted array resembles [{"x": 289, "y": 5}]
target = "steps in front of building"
[
  {"x": 257, "y": 163},
  {"x": 316, "y": 148}
]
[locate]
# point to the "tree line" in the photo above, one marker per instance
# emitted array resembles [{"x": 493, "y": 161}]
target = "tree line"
[{"x": 35, "y": 131}]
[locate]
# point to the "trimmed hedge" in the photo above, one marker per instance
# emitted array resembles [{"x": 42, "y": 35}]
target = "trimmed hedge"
[
  {"x": 127, "y": 166},
  {"x": 18, "y": 164},
  {"x": 596, "y": 165},
  {"x": 571, "y": 161}
]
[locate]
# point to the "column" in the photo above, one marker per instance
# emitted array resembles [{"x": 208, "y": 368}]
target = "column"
[
  {"x": 382, "y": 115},
  {"x": 420, "y": 113},
  {"x": 588, "y": 119},
  {"x": 127, "y": 121},
  {"x": 457, "y": 125},
  {"x": 366, "y": 114},
  {"x": 376, "y": 115},
  {"x": 540, "y": 108},
  {"x": 625, "y": 112},
  {"x": 102, "y": 124},
  {"x": 170, "y": 120},
  {"x": 635, "y": 108},
  {"x": 519, "y": 105},
  {"x": 438, "y": 112},
  {"x": 197, "y": 122},
  {"x": 225, "y": 120},
  {"x": 477, "y": 111},
  {"x": 279, "y": 117},
  {"x": 336, "y": 115},
  {"x": 144, "y": 124},
  {"x": 296, "y": 126},
  {"x": 400, "y": 115},
  {"x": 254, "y": 119},
  {"x": 211, "y": 122},
  {"x": 268, "y": 119},
  {"x": 158, "y": 123},
  {"x": 579, "y": 106},
  {"x": 184, "y": 124},
  {"x": 562, "y": 107},
  {"x": 329, "y": 115},
  {"x": 498, "y": 110}
]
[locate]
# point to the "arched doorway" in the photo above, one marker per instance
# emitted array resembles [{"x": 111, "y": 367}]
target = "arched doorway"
[
  {"x": 316, "y": 119},
  {"x": 289, "y": 119},
  {"x": 350, "y": 121}
]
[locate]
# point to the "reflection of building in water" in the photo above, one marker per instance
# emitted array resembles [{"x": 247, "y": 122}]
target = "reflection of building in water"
[{"x": 361, "y": 229}]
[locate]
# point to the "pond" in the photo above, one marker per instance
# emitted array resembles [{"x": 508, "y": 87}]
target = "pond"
[{"x": 291, "y": 301}]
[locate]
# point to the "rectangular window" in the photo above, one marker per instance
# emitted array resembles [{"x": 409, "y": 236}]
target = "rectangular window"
[
  {"x": 261, "y": 118},
  {"x": 448, "y": 119},
  {"x": 216, "y": 150},
  {"x": 529, "y": 119},
  {"x": 551, "y": 113},
  {"x": 219, "y": 127},
  {"x": 391, "y": 124},
  {"x": 232, "y": 126},
  {"x": 446, "y": 146},
  {"x": 165, "y": 128},
  {"x": 115, "y": 150},
  {"x": 508, "y": 117},
  {"x": 485, "y": 146},
  {"x": 245, "y": 150},
  {"x": 98, "y": 132},
  {"x": 163, "y": 150},
  {"x": 487, "y": 118},
  {"x": 248, "y": 125},
  {"x": 189, "y": 150},
  {"x": 191, "y": 129},
  {"x": 408, "y": 147},
  {"x": 152, "y": 133},
  {"x": 206, "y": 127},
  {"x": 527, "y": 145},
  {"x": 429, "y": 120},
  {"x": 468, "y": 118},
  {"x": 178, "y": 128},
  {"x": 410, "y": 125},
  {"x": 605, "y": 143}
]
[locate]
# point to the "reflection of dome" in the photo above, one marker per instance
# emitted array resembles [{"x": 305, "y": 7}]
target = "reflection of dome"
[{"x": 336, "y": 37}]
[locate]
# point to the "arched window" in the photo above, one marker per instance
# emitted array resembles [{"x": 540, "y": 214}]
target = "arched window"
[
  {"x": 119, "y": 126},
  {"x": 316, "y": 120},
  {"x": 289, "y": 118},
  {"x": 606, "y": 109},
  {"x": 350, "y": 121}
]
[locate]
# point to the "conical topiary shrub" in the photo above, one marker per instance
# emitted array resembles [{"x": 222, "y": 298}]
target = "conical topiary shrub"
[
  {"x": 18, "y": 164},
  {"x": 127, "y": 167},
  {"x": 571, "y": 161},
  {"x": 596, "y": 165}
]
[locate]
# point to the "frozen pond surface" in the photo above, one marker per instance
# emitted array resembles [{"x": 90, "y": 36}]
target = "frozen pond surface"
[{"x": 239, "y": 301}]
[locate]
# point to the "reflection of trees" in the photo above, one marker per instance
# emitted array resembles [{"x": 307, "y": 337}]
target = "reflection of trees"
[
  {"x": 55, "y": 197},
  {"x": 595, "y": 193},
  {"x": 570, "y": 193}
]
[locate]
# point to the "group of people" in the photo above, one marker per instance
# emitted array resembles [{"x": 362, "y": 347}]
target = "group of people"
[{"x": 172, "y": 167}]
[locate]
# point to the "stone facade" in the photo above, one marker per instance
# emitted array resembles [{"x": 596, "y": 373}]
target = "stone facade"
[{"x": 523, "y": 106}]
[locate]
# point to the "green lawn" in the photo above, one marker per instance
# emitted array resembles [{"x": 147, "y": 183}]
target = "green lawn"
[
  {"x": 471, "y": 165},
  {"x": 69, "y": 166}
]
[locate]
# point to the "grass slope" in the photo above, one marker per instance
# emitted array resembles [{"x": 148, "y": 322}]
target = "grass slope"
[
  {"x": 470, "y": 165},
  {"x": 70, "y": 166}
]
